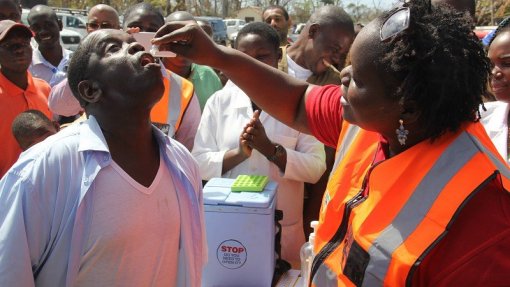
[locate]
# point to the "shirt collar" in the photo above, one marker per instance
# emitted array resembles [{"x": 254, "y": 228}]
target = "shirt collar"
[
  {"x": 92, "y": 138},
  {"x": 67, "y": 53},
  {"x": 12, "y": 88},
  {"x": 164, "y": 71},
  {"x": 495, "y": 118},
  {"x": 38, "y": 58},
  {"x": 192, "y": 71},
  {"x": 162, "y": 139},
  {"x": 300, "y": 71},
  {"x": 31, "y": 88},
  {"x": 239, "y": 100}
]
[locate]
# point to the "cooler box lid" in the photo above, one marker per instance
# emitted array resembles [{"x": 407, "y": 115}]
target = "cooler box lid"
[{"x": 217, "y": 191}]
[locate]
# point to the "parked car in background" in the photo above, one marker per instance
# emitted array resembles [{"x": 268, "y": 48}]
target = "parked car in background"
[
  {"x": 69, "y": 39},
  {"x": 74, "y": 22},
  {"x": 219, "y": 28},
  {"x": 232, "y": 38},
  {"x": 293, "y": 37},
  {"x": 298, "y": 28},
  {"x": 294, "y": 33},
  {"x": 233, "y": 26}
]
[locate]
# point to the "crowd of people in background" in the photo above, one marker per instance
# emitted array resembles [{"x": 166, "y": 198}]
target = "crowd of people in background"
[{"x": 381, "y": 132}]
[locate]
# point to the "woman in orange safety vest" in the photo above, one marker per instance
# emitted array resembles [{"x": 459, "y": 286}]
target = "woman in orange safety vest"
[{"x": 418, "y": 195}]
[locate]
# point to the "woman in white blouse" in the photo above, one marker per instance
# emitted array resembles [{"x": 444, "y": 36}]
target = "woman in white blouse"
[
  {"x": 496, "y": 119},
  {"x": 234, "y": 138}
]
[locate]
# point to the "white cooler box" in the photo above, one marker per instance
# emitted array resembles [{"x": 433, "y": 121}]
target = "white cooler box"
[{"x": 240, "y": 235}]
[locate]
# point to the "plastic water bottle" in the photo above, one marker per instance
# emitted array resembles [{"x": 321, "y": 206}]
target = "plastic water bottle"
[{"x": 306, "y": 255}]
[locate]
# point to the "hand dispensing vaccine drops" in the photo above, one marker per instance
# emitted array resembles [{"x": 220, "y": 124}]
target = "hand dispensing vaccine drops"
[{"x": 144, "y": 39}]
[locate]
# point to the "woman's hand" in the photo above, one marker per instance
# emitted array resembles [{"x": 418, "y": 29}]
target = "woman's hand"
[{"x": 187, "y": 39}]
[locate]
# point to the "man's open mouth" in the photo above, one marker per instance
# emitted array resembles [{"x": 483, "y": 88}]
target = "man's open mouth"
[{"x": 146, "y": 59}]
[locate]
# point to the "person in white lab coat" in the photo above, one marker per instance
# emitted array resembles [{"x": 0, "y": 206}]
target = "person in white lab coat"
[{"x": 234, "y": 137}]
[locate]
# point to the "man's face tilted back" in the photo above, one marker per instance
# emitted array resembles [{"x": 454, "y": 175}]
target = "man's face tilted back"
[{"x": 111, "y": 53}]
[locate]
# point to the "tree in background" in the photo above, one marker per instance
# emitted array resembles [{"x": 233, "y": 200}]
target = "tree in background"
[
  {"x": 301, "y": 11},
  {"x": 361, "y": 13},
  {"x": 490, "y": 12},
  {"x": 198, "y": 7},
  {"x": 31, "y": 3}
]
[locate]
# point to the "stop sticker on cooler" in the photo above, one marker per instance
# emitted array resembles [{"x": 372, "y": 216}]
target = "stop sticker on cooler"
[{"x": 231, "y": 254}]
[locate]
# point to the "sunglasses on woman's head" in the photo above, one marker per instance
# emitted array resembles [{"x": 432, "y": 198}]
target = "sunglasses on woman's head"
[
  {"x": 398, "y": 20},
  {"x": 395, "y": 23}
]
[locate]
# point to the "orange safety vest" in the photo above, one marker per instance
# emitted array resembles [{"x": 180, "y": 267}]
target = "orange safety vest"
[
  {"x": 380, "y": 239},
  {"x": 168, "y": 112}
]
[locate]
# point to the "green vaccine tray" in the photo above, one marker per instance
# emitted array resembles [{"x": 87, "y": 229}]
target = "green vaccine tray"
[{"x": 253, "y": 183}]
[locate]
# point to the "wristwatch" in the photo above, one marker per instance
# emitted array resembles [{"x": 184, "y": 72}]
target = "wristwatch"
[{"x": 278, "y": 151}]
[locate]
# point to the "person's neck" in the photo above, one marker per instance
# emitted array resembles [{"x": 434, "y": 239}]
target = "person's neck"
[
  {"x": 297, "y": 54},
  {"x": 396, "y": 148},
  {"x": 129, "y": 130},
  {"x": 52, "y": 54},
  {"x": 131, "y": 143},
  {"x": 17, "y": 78},
  {"x": 284, "y": 40},
  {"x": 185, "y": 72}
]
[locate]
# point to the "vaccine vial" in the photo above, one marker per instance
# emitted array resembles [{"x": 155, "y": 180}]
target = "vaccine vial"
[
  {"x": 157, "y": 53},
  {"x": 154, "y": 49}
]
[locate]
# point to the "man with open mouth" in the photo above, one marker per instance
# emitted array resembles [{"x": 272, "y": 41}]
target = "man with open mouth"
[{"x": 110, "y": 195}]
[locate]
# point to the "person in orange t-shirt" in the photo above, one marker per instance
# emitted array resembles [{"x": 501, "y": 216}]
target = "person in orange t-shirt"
[{"x": 18, "y": 90}]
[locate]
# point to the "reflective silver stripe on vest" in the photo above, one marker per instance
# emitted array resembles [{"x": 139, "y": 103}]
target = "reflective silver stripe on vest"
[
  {"x": 504, "y": 170},
  {"x": 412, "y": 213},
  {"x": 174, "y": 102},
  {"x": 349, "y": 137},
  {"x": 325, "y": 277}
]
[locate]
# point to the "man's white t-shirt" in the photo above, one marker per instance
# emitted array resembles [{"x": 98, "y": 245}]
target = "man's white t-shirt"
[
  {"x": 297, "y": 71},
  {"x": 133, "y": 233}
]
